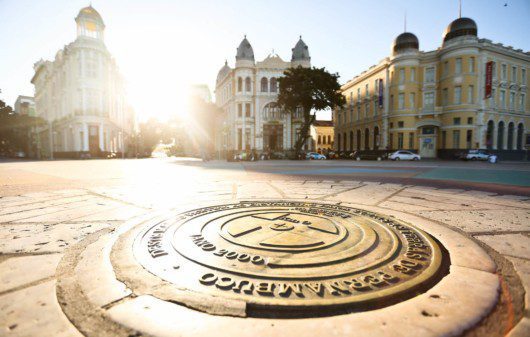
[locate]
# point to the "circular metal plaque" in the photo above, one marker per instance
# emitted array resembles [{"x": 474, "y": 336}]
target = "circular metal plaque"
[{"x": 299, "y": 256}]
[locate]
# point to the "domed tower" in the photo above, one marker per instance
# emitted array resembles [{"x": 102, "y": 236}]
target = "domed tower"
[
  {"x": 300, "y": 56},
  {"x": 460, "y": 27},
  {"x": 89, "y": 23},
  {"x": 245, "y": 54},
  {"x": 405, "y": 42},
  {"x": 223, "y": 72}
]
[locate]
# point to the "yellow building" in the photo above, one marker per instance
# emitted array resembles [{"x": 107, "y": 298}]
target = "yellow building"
[
  {"x": 434, "y": 102},
  {"x": 323, "y": 136}
]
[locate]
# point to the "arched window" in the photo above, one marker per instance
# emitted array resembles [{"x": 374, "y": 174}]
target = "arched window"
[
  {"x": 511, "y": 130},
  {"x": 338, "y": 142},
  {"x": 329, "y": 139},
  {"x": 271, "y": 111},
  {"x": 319, "y": 140},
  {"x": 248, "y": 87},
  {"x": 264, "y": 84},
  {"x": 351, "y": 140},
  {"x": 489, "y": 135},
  {"x": 520, "y": 133},
  {"x": 239, "y": 84},
  {"x": 358, "y": 139},
  {"x": 376, "y": 138},
  {"x": 500, "y": 136},
  {"x": 274, "y": 84},
  {"x": 366, "y": 139}
]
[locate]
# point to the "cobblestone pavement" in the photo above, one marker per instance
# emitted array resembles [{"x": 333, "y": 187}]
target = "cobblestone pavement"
[{"x": 38, "y": 230}]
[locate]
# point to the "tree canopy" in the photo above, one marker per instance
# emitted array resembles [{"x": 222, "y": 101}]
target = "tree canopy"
[{"x": 308, "y": 89}]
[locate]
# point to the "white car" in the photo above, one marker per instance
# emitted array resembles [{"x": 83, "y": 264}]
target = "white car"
[
  {"x": 316, "y": 156},
  {"x": 477, "y": 155},
  {"x": 404, "y": 155}
]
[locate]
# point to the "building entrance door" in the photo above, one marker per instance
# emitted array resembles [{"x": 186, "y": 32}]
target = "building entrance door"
[
  {"x": 273, "y": 137},
  {"x": 93, "y": 140},
  {"x": 428, "y": 146}
]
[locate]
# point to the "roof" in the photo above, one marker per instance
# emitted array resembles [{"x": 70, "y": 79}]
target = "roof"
[
  {"x": 300, "y": 51},
  {"x": 245, "y": 51},
  {"x": 91, "y": 14}
]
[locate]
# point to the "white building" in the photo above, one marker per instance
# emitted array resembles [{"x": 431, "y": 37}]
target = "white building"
[
  {"x": 25, "y": 105},
  {"x": 81, "y": 96},
  {"x": 248, "y": 93}
]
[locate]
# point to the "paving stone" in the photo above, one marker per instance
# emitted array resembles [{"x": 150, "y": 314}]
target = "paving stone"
[
  {"x": 257, "y": 190},
  {"x": 34, "y": 311},
  {"x": 31, "y": 238},
  {"x": 19, "y": 271},
  {"x": 397, "y": 204},
  {"x": 96, "y": 276},
  {"x": 43, "y": 206},
  {"x": 370, "y": 194},
  {"x": 522, "y": 329},
  {"x": 483, "y": 221},
  {"x": 522, "y": 267},
  {"x": 516, "y": 245},
  {"x": 32, "y": 213},
  {"x": 117, "y": 214}
]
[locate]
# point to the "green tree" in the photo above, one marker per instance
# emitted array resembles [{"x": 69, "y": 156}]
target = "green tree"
[{"x": 308, "y": 90}]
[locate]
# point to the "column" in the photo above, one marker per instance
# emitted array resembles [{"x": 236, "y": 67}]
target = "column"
[
  {"x": 505, "y": 136},
  {"x": 85, "y": 136},
  {"x": 495, "y": 134},
  {"x": 384, "y": 126},
  {"x": 101, "y": 141}
]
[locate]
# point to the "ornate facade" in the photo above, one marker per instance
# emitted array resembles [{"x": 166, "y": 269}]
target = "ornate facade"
[
  {"x": 434, "y": 102},
  {"x": 247, "y": 94},
  {"x": 81, "y": 95}
]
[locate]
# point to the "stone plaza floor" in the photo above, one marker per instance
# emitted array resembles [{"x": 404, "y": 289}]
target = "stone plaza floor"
[{"x": 64, "y": 252}]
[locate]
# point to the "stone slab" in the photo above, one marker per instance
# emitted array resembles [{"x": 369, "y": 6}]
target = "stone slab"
[
  {"x": 522, "y": 329},
  {"x": 19, "y": 271},
  {"x": 34, "y": 311},
  {"x": 32, "y": 238},
  {"x": 483, "y": 221},
  {"x": 370, "y": 194},
  {"x": 516, "y": 245},
  {"x": 522, "y": 267}
]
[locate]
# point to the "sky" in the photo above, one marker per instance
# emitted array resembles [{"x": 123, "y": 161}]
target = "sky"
[{"x": 164, "y": 46}]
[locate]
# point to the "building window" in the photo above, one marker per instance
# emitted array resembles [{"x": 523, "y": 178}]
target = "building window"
[
  {"x": 401, "y": 124},
  {"x": 470, "y": 120},
  {"x": 401, "y": 101},
  {"x": 351, "y": 98},
  {"x": 391, "y": 125},
  {"x": 412, "y": 100},
  {"x": 502, "y": 99},
  {"x": 458, "y": 95},
  {"x": 375, "y": 108},
  {"x": 522, "y": 102},
  {"x": 247, "y": 110},
  {"x": 470, "y": 94},
  {"x": 401, "y": 76},
  {"x": 469, "y": 138},
  {"x": 523, "y": 76},
  {"x": 446, "y": 68},
  {"x": 456, "y": 121},
  {"x": 456, "y": 139},
  {"x": 366, "y": 110},
  {"x": 445, "y": 96},
  {"x": 503, "y": 72},
  {"x": 240, "y": 110},
  {"x": 264, "y": 84},
  {"x": 471, "y": 64},
  {"x": 366, "y": 93},
  {"x": 494, "y": 70},
  {"x": 358, "y": 112},
  {"x": 458, "y": 66},
  {"x": 514, "y": 75},
  {"x": 429, "y": 75},
  {"x": 274, "y": 84},
  {"x": 248, "y": 87},
  {"x": 412, "y": 74},
  {"x": 400, "y": 140},
  {"x": 512, "y": 100},
  {"x": 239, "y": 84},
  {"x": 492, "y": 98},
  {"x": 359, "y": 94},
  {"x": 319, "y": 141},
  {"x": 428, "y": 100},
  {"x": 411, "y": 140}
]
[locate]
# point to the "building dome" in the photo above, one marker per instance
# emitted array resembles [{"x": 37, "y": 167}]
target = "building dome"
[
  {"x": 405, "y": 41},
  {"x": 300, "y": 51},
  {"x": 89, "y": 13},
  {"x": 460, "y": 27},
  {"x": 245, "y": 51},
  {"x": 223, "y": 72}
]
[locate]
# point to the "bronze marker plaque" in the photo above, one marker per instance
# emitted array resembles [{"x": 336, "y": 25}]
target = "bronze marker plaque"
[{"x": 298, "y": 256}]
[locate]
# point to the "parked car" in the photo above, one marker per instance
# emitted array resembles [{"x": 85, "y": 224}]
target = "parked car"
[
  {"x": 315, "y": 156},
  {"x": 477, "y": 155},
  {"x": 363, "y": 155},
  {"x": 404, "y": 155}
]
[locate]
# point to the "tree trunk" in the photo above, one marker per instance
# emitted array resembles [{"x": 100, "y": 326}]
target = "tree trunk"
[{"x": 304, "y": 132}]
